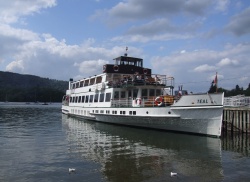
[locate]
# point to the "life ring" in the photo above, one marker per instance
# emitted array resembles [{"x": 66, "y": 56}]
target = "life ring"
[
  {"x": 159, "y": 101},
  {"x": 138, "y": 101},
  {"x": 145, "y": 71},
  {"x": 104, "y": 68},
  {"x": 116, "y": 68},
  {"x": 67, "y": 98}
]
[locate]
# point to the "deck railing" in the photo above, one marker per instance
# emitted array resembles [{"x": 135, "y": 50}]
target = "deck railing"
[
  {"x": 237, "y": 101},
  {"x": 144, "y": 102}
]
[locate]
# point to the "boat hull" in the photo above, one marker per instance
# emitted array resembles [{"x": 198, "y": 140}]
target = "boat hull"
[{"x": 188, "y": 120}]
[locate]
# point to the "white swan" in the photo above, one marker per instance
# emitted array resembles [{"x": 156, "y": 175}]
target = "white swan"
[
  {"x": 173, "y": 174},
  {"x": 72, "y": 170}
]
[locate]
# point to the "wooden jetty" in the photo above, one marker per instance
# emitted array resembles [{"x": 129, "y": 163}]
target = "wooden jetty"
[{"x": 236, "y": 119}]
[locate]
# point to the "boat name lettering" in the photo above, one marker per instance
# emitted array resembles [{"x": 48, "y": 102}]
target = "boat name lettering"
[{"x": 202, "y": 101}]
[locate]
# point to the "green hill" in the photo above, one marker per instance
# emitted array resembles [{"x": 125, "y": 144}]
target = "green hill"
[{"x": 16, "y": 87}]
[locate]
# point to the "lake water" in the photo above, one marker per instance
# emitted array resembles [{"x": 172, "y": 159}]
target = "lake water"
[{"x": 38, "y": 143}]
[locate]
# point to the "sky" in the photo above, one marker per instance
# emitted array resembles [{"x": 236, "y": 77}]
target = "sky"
[{"x": 189, "y": 40}]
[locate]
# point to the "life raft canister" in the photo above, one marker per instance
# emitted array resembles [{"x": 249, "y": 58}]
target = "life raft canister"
[
  {"x": 116, "y": 68},
  {"x": 159, "y": 101},
  {"x": 145, "y": 71}
]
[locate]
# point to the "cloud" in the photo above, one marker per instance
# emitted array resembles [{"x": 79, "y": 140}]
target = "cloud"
[
  {"x": 153, "y": 27},
  {"x": 205, "y": 68},
  {"x": 90, "y": 66},
  {"x": 15, "y": 66},
  {"x": 227, "y": 62},
  {"x": 10, "y": 11},
  {"x": 44, "y": 55},
  {"x": 134, "y": 10},
  {"x": 240, "y": 23},
  {"x": 222, "y": 5}
]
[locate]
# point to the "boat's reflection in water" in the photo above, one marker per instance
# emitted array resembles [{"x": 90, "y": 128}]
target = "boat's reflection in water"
[{"x": 131, "y": 154}]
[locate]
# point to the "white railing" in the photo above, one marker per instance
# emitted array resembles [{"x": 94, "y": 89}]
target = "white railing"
[
  {"x": 143, "y": 102},
  {"x": 237, "y": 101}
]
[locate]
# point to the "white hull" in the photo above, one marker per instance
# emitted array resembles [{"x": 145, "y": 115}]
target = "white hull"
[{"x": 198, "y": 120}]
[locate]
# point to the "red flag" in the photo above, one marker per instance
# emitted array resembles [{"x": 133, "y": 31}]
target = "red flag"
[{"x": 215, "y": 79}]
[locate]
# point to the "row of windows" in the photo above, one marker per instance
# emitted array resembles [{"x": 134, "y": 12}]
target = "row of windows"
[
  {"x": 81, "y": 112},
  {"x": 87, "y": 82},
  {"x": 133, "y": 93},
  {"x": 102, "y": 97},
  {"x": 115, "y": 112}
]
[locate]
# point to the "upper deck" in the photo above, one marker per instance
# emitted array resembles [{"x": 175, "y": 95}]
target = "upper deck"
[{"x": 125, "y": 72}]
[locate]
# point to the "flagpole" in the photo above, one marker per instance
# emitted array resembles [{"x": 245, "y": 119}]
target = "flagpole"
[{"x": 216, "y": 82}]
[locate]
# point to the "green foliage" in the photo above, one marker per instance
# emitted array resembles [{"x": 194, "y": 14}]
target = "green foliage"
[
  {"x": 236, "y": 91},
  {"x": 28, "y": 88}
]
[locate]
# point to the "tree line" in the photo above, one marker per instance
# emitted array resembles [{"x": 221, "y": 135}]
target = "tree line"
[
  {"x": 228, "y": 93},
  {"x": 29, "y": 88}
]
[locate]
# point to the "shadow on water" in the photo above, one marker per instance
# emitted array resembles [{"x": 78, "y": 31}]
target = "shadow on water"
[{"x": 131, "y": 154}]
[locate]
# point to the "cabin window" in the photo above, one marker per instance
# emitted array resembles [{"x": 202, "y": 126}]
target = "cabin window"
[
  {"x": 152, "y": 92},
  {"x": 71, "y": 99},
  {"x": 96, "y": 97},
  {"x": 108, "y": 97},
  {"x": 116, "y": 95},
  {"x": 158, "y": 92},
  {"x": 79, "y": 99},
  {"x": 135, "y": 91},
  {"x": 130, "y": 93},
  {"x": 81, "y": 83},
  {"x": 91, "y": 97},
  {"x": 86, "y": 99},
  {"x": 101, "y": 99},
  {"x": 83, "y": 97},
  {"x": 134, "y": 112},
  {"x": 99, "y": 79},
  {"x": 92, "y": 81},
  {"x": 144, "y": 93},
  {"x": 122, "y": 112},
  {"x": 86, "y": 83},
  {"x": 123, "y": 94},
  {"x": 74, "y": 86}
]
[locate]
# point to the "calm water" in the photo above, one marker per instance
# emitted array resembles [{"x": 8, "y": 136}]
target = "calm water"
[{"x": 38, "y": 143}]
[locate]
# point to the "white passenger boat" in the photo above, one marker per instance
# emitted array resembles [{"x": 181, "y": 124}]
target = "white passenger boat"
[{"x": 127, "y": 93}]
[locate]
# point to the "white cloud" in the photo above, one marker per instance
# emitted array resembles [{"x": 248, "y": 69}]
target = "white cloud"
[
  {"x": 205, "y": 68},
  {"x": 91, "y": 66},
  {"x": 7, "y": 31},
  {"x": 15, "y": 66},
  {"x": 227, "y": 62},
  {"x": 10, "y": 11}
]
